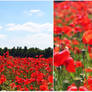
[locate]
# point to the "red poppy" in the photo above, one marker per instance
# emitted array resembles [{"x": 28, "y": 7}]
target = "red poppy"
[
  {"x": 2, "y": 79},
  {"x": 88, "y": 83},
  {"x": 78, "y": 64},
  {"x": 43, "y": 88},
  {"x": 88, "y": 69},
  {"x": 56, "y": 49},
  {"x": 69, "y": 63},
  {"x": 31, "y": 87},
  {"x": 75, "y": 42},
  {"x": 74, "y": 88},
  {"x": 87, "y": 37},
  {"x": 60, "y": 57},
  {"x": 12, "y": 85},
  {"x": 57, "y": 30},
  {"x": 82, "y": 88},
  {"x": 89, "y": 49},
  {"x": 50, "y": 79},
  {"x": 90, "y": 54},
  {"x": 67, "y": 30}
]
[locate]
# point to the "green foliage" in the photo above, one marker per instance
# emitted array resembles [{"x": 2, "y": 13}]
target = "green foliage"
[
  {"x": 6, "y": 86},
  {"x": 28, "y": 52}
]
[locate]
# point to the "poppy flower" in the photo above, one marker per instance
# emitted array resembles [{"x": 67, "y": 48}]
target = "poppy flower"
[
  {"x": 76, "y": 50},
  {"x": 12, "y": 85},
  {"x": 78, "y": 64},
  {"x": 90, "y": 54},
  {"x": 83, "y": 88},
  {"x": 88, "y": 83},
  {"x": 67, "y": 30},
  {"x": 2, "y": 79},
  {"x": 50, "y": 79},
  {"x": 26, "y": 72},
  {"x": 87, "y": 37},
  {"x": 74, "y": 88},
  {"x": 75, "y": 42},
  {"x": 69, "y": 64},
  {"x": 56, "y": 49},
  {"x": 1, "y": 68},
  {"x": 43, "y": 87},
  {"x": 89, "y": 49},
  {"x": 57, "y": 30},
  {"x": 60, "y": 57},
  {"x": 88, "y": 69},
  {"x": 31, "y": 87}
]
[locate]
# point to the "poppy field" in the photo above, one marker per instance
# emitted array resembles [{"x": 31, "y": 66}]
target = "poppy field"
[
  {"x": 73, "y": 46},
  {"x": 25, "y": 74}
]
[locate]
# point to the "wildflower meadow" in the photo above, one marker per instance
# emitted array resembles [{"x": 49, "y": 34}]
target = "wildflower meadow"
[
  {"x": 25, "y": 74},
  {"x": 73, "y": 46}
]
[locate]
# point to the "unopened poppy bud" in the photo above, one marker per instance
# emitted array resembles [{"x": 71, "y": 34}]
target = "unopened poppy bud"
[
  {"x": 78, "y": 34},
  {"x": 65, "y": 84},
  {"x": 59, "y": 35},
  {"x": 77, "y": 81},
  {"x": 83, "y": 52},
  {"x": 82, "y": 75},
  {"x": 0, "y": 88},
  {"x": 58, "y": 68},
  {"x": 90, "y": 45},
  {"x": 66, "y": 48},
  {"x": 51, "y": 89},
  {"x": 55, "y": 80}
]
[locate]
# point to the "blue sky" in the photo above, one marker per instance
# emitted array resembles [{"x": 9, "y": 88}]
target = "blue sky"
[{"x": 26, "y": 23}]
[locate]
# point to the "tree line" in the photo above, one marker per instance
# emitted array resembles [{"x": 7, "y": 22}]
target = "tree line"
[{"x": 27, "y": 52}]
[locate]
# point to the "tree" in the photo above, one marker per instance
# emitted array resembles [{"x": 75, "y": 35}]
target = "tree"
[
  {"x": 48, "y": 52},
  {"x": 25, "y": 52},
  {"x": 5, "y": 49}
]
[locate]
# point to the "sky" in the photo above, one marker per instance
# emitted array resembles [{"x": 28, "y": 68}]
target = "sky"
[{"x": 26, "y": 23}]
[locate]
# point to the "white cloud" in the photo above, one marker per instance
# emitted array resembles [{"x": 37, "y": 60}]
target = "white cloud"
[
  {"x": 1, "y": 27},
  {"x": 36, "y": 35},
  {"x": 34, "y": 12},
  {"x": 2, "y": 36},
  {"x": 30, "y": 27},
  {"x": 39, "y": 40}
]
